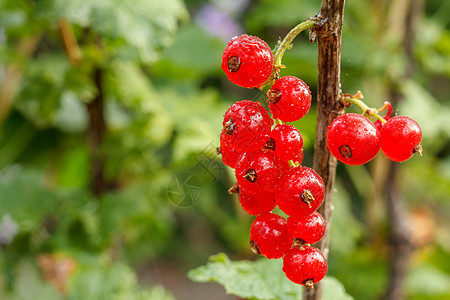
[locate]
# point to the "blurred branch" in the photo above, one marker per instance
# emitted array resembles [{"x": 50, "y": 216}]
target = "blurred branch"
[
  {"x": 329, "y": 107},
  {"x": 95, "y": 135},
  {"x": 70, "y": 41},
  {"x": 400, "y": 237},
  {"x": 400, "y": 234},
  {"x": 13, "y": 75}
]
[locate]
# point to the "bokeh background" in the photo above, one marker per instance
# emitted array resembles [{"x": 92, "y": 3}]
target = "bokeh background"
[{"x": 110, "y": 114}]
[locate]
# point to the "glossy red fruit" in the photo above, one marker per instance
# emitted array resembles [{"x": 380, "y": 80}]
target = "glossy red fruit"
[
  {"x": 400, "y": 138},
  {"x": 258, "y": 171},
  {"x": 305, "y": 265},
  {"x": 246, "y": 126},
  {"x": 256, "y": 203},
  {"x": 269, "y": 236},
  {"x": 289, "y": 99},
  {"x": 353, "y": 139},
  {"x": 309, "y": 229},
  {"x": 300, "y": 191},
  {"x": 247, "y": 61},
  {"x": 229, "y": 154},
  {"x": 286, "y": 142},
  {"x": 285, "y": 165}
]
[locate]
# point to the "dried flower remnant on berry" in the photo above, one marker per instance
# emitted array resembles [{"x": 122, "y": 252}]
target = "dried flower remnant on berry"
[
  {"x": 233, "y": 64},
  {"x": 345, "y": 151}
]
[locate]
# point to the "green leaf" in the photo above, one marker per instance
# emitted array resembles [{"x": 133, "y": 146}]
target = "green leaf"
[
  {"x": 144, "y": 25},
  {"x": 260, "y": 279}
]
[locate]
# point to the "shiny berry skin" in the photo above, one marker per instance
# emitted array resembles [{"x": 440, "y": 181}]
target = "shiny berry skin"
[
  {"x": 246, "y": 126},
  {"x": 269, "y": 236},
  {"x": 305, "y": 265},
  {"x": 285, "y": 165},
  {"x": 258, "y": 171},
  {"x": 300, "y": 191},
  {"x": 229, "y": 154},
  {"x": 309, "y": 229},
  {"x": 353, "y": 139},
  {"x": 400, "y": 138},
  {"x": 247, "y": 61},
  {"x": 289, "y": 99},
  {"x": 286, "y": 142},
  {"x": 256, "y": 203}
]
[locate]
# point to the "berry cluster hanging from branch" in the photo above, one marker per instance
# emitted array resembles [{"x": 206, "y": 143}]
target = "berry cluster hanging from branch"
[{"x": 267, "y": 154}]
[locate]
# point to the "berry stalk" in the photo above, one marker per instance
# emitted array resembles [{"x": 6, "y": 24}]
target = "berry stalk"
[
  {"x": 289, "y": 38},
  {"x": 365, "y": 109},
  {"x": 285, "y": 44}
]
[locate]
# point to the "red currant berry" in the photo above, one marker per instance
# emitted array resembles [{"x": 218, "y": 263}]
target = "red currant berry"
[
  {"x": 257, "y": 171},
  {"x": 305, "y": 265},
  {"x": 246, "y": 126},
  {"x": 289, "y": 99},
  {"x": 247, "y": 61},
  {"x": 300, "y": 191},
  {"x": 353, "y": 139},
  {"x": 307, "y": 230},
  {"x": 229, "y": 154},
  {"x": 400, "y": 138},
  {"x": 286, "y": 142},
  {"x": 256, "y": 203},
  {"x": 269, "y": 236}
]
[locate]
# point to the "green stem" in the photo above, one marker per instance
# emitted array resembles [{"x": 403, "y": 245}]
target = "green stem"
[
  {"x": 365, "y": 110},
  {"x": 285, "y": 44},
  {"x": 287, "y": 41}
]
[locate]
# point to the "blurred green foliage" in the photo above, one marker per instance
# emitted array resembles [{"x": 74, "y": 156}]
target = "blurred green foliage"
[{"x": 164, "y": 95}]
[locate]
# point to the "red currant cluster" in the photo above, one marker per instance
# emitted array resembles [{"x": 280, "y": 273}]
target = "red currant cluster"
[
  {"x": 354, "y": 140},
  {"x": 266, "y": 156}
]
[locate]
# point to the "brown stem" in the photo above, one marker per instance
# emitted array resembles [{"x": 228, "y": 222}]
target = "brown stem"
[
  {"x": 70, "y": 41},
  {"x": 400, "y": 237},
  {"x": 95, "y": 135},
  {"x": 329, "y": 107}
]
